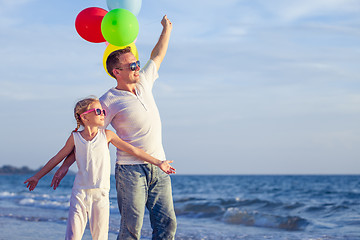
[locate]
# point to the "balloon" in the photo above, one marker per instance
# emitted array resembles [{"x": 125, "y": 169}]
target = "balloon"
[
  {"x": 131, "y": 5},
  {"x": 111, "y": 48},
  {"x": 120, "y": 27},
  {"x": 88, "y": 24}
]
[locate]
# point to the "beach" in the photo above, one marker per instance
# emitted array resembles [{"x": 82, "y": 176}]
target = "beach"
[{"x": 207, "y": 207}]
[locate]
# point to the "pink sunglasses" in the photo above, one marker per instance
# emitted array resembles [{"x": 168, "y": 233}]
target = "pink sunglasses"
[{"x": 97, "y": 111}]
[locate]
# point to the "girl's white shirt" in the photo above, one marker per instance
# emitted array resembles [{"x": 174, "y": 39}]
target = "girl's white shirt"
[{"x": 93, "y": 161}]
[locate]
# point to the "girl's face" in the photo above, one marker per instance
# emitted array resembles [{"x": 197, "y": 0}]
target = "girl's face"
[{"x": 91, "y": 118}]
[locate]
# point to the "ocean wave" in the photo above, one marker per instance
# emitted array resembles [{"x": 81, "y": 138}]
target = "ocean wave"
[
  {"x": 252, "y": 212},
  {"x": 237, "y": 216},
  {"x": 199, "y": 206},
  {"x": 292, "y": 206},
  {"x": 200, "y": 210},
  {"x": 7, "y": 194},
  {"x": 34, "y": 218},
  {"x": 329, "y": 209},
  {"x": 34, "y": 199},
  {"x": 45, "y": 203}
]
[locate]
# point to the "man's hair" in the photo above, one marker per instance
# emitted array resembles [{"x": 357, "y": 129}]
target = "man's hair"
[{"x": 113, "y": 59}]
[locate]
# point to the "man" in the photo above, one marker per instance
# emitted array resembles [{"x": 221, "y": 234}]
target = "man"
[{"x": 133, "y": 113}]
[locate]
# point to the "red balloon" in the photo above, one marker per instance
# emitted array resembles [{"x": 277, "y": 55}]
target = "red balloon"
[{"x": 88, "y": 24}]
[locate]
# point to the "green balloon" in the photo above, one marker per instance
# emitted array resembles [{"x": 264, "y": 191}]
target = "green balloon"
[{"x": 120, "y": 27}]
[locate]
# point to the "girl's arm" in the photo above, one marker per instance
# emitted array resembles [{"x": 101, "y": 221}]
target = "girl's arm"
[
  {"x": 126, "y": 147},
  {"x": 66, "y": 150}
]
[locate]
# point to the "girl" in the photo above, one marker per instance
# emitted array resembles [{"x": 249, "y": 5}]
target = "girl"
[{"x": 90, "y": 193}]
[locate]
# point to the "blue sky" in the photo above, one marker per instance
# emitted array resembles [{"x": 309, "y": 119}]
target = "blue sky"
[{"x": 247, "y": 87}]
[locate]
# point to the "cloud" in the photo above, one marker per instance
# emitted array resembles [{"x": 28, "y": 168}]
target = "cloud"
[
  {"x": 274, "y": 75},
  {"x": 19, "y": 92},
  {"x": 296, "y": 10},
  {"x": 8, "y": 12}
]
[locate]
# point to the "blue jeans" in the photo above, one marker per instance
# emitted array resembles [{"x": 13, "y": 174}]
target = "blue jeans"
[{"x": 139, "y": 186}]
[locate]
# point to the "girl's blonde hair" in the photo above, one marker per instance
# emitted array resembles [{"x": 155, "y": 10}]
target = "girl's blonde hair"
[{"x": 81, "y": 107}]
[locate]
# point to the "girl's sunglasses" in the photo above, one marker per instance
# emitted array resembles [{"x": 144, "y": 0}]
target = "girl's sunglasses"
[
  {"x": 132, "y": 66},
  {"x": 97, "y": 111}
]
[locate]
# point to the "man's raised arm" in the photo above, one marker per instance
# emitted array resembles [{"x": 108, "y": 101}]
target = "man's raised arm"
[{"x": 159, "y": 51}]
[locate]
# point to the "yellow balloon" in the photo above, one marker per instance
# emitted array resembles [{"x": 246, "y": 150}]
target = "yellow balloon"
[{"x": 111, "y": 48}]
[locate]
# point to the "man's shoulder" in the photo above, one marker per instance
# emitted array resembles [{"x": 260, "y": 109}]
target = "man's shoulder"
[
  {"x": 149, "y": 66},
  {"x": 149, "y": 73},
  {"x": 114, "y": 97},
  {"x": 107, "y": 95}
]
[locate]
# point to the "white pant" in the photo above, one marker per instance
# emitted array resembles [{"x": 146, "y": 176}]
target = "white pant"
[{"x": 92, "y": 203}]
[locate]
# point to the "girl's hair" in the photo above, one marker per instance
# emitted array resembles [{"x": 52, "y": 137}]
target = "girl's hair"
[{"x": 81, "y": 107}]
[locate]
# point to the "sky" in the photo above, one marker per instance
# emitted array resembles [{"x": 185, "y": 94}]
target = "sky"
[{"x": 246, "y": 87}]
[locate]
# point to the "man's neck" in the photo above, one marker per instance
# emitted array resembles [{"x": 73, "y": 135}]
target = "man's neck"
[{"x": 129, "y": 88}]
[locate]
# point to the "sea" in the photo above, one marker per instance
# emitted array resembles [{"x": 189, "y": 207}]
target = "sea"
[{"x": 251, "y": 207}]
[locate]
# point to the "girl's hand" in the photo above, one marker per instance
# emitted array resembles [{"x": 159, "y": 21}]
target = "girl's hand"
[
  {"x": 31, "y": 183},
  {"x": 166, "y": 167}
]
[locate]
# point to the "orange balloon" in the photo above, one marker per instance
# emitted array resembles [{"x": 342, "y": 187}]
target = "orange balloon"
[{"x": 111, "y": 48}]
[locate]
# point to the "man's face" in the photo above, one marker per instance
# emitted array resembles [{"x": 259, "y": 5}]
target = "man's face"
[{"x": 123, "y": 69}]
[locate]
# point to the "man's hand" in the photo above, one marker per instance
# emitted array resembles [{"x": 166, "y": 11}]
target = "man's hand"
[
  {"x": 166, "y": 23},
  {"x": 58, "y": 176},
  {"x": 166, "y": 167}
]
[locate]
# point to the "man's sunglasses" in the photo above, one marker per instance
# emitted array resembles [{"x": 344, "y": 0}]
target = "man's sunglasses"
[
  {"x": 97, "y": 111},
  {"x": 132, "y": 66}
]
